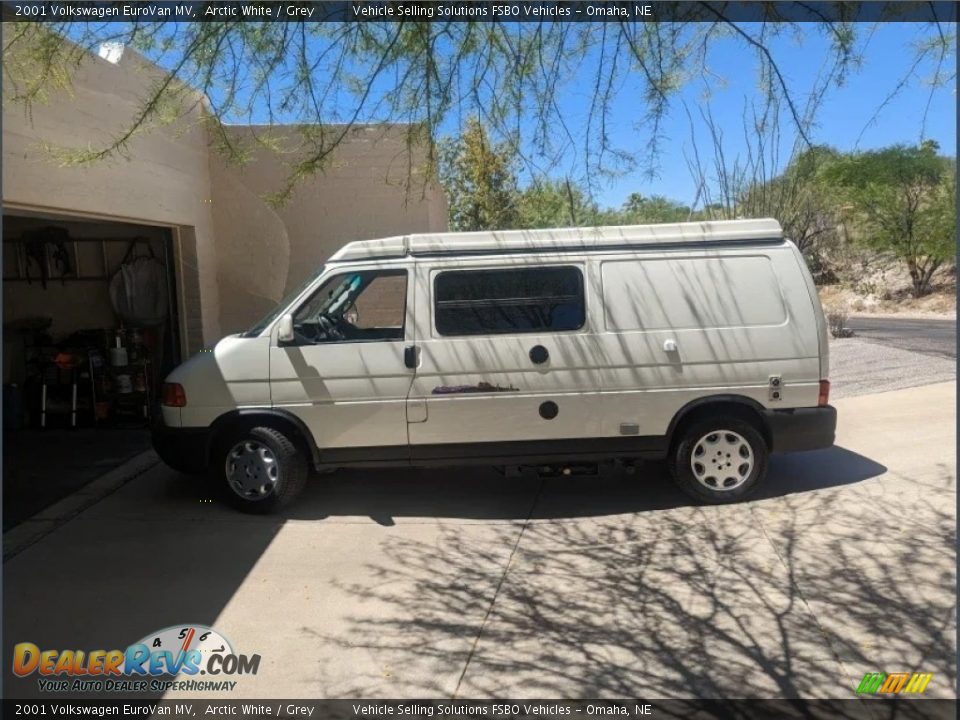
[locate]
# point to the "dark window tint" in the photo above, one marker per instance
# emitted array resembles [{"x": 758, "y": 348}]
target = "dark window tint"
[{"x": 482, "y": 302}]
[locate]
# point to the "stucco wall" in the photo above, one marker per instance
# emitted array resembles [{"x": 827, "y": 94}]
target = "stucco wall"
[
  {"x": 241, "y": 254},
  {"x": 370, "y": 189},
  {"x": 163, "y": 176}
]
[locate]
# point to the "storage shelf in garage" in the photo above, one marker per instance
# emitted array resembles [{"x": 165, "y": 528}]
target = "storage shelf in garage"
[{"x": 102, "y": 267}]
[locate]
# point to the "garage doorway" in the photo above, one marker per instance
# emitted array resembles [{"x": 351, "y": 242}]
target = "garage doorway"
[{"x": 81, "y": 379}]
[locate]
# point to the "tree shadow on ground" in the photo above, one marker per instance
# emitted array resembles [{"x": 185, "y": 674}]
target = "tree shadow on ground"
[{"x": 795, "y": 595}]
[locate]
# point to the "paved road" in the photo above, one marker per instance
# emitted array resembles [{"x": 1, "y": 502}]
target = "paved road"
[
  {"x": 408, "y": 584},
  {"x": 930, "y": 337}
]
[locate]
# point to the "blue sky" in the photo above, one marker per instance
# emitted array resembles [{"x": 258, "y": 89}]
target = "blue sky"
[
  {"x": 843, "y": 120},
  {"x": 844, "y": 116}
]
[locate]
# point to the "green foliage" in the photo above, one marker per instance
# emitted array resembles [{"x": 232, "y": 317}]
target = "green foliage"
[
  {"x": 943, "y": 213},
  {"x": 480, "y": 181},
  {"x": 800, "y": 198},
  {"x": 556, "y": 203},
  {"x": 483, "y": 194},
  {"x": 904, "y": 198},
  {"x": 654, "y": 209}
]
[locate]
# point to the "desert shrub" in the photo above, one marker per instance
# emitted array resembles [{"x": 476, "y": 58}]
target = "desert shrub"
[{"x": 837, "y": 315}]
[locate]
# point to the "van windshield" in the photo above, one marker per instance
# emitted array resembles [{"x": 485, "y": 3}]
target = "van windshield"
[{"x": 281, "y": 306}]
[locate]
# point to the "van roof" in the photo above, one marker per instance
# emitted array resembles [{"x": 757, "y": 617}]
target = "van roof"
[{"x": 564, "y": 239}]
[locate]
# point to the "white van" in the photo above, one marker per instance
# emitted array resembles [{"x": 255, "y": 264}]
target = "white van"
[{"x": 702, "y": 343}]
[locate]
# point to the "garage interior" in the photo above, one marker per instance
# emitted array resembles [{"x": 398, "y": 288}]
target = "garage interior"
[{"x": 90, "y": 331}]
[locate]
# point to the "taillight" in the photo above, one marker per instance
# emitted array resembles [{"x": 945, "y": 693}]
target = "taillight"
[
  {"x": 824, "y": 399},
  {"x": 173, "y": 395}
]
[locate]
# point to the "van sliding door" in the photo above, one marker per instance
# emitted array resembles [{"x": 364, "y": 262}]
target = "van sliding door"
[{"x": 500, "y": 359}]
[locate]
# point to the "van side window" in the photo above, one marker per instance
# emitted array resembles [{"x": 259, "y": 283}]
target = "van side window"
[
  {"x": 357, "y": 306},
  {"x": 485, "y": 302}
]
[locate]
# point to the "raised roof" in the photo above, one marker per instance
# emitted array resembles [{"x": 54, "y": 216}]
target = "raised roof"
[{"x": 563, "y": 239}]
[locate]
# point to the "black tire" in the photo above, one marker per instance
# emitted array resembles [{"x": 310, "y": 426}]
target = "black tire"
[
  {"x": 681, "y": 465},
  {"x": 291, "y": 464}
]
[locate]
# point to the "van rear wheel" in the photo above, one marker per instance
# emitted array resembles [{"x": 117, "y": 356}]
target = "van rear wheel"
[
  {"x": 719, "y": 460},
  {"x": 261, "y": 470}
]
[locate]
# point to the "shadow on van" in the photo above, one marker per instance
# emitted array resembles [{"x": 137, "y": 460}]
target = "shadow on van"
[{"x": 483, "y": 494}]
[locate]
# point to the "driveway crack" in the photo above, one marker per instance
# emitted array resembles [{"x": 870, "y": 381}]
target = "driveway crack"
[
  {"x": 795, "y": 587},
  {"x": 496, "y": 593}
]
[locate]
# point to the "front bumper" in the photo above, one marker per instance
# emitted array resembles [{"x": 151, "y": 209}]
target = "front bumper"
[
  {"x": 802, "y": 428},
  {"x": 183, "y": 449}
]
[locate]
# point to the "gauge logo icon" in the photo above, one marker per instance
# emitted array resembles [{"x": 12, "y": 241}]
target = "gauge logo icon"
[{"x": 184, "y": 648}]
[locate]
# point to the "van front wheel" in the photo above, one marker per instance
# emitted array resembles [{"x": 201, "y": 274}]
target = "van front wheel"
[
  {"x": 262, "y": 470},
  {"x": 719, "y": 460}
]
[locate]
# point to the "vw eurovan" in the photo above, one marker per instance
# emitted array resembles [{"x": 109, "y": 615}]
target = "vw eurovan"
[{"x": 700, "y": 343}]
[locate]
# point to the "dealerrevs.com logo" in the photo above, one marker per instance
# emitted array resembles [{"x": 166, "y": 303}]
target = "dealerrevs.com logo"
[{"x": 171, "y": 659}]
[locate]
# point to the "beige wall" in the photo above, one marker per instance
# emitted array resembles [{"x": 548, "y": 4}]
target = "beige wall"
[
  {"x": 239, "y": 254},
  {"x": 162, "y": 178},
  {"x": 370, "y": 189}
]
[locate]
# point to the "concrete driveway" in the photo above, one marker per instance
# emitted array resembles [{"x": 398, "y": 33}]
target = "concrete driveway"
[{"x": 462, "y": 583}]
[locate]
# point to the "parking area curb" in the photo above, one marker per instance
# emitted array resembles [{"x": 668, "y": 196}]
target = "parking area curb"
[{"x": 50, "y": 518}]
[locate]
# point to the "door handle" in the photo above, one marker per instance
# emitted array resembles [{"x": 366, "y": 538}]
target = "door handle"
[{"x": 410, "y": 356}]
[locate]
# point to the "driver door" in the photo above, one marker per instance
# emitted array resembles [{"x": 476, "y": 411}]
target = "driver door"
[{"x": 344, "y": 373}]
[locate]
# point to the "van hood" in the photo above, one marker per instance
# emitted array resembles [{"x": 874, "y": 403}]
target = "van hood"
[{"x": 215, "y": 376}]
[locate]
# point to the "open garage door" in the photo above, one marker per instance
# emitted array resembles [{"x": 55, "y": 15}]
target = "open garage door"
[{"x": 91, "y": 328}]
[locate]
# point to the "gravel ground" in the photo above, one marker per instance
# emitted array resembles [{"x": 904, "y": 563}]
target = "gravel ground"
[{"x": 859, "y": 367}]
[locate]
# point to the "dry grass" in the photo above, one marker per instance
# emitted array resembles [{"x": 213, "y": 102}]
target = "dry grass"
[
  {"x": 837, "y": 314},
  {"x": 867, "y": 282},
  {"x": 883, "y": 287},
  {"x": 942, "y": 302}
]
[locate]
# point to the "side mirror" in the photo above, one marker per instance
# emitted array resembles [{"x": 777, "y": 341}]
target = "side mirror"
[{"x": 285, "y": 329}]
